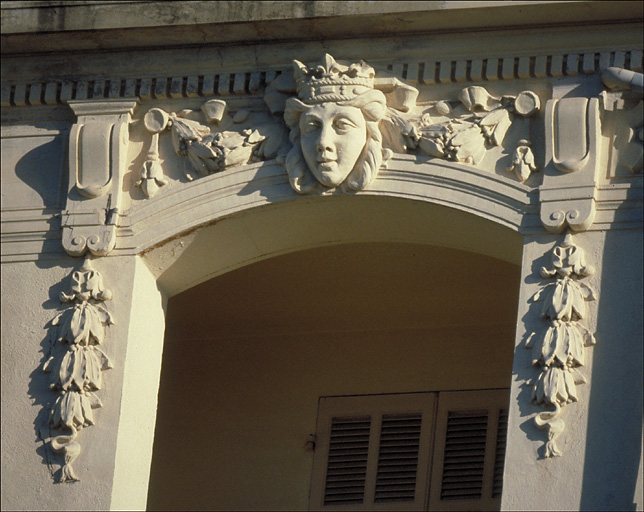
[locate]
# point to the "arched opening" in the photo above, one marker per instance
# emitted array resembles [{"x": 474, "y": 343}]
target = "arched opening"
[{"x": 249, "y": 354}]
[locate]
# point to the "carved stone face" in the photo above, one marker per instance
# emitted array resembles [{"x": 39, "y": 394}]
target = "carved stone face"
[{"x": 332, "y": 139}]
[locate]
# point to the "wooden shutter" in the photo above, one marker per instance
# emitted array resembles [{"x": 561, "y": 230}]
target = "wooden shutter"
[
  {"x": 347, "y": 460},
  {"x": 398, "y": 454},
  {"x": 373, "y": 452},
  {"x": 469, "y": 450}
]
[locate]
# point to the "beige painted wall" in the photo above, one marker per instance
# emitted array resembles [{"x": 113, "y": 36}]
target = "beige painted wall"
[{"x": 248, "y": 354}]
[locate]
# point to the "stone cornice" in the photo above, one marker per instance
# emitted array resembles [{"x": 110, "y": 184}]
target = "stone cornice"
[
  {"x": 431, "y": 71},
  {"x": 69, "y": 26}
]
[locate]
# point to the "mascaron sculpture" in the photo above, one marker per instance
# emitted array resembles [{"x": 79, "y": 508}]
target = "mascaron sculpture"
[{"x": 334, "y": 126}]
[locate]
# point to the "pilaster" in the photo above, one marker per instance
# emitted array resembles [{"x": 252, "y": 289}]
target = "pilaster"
[{"x": 597, "y": 432}]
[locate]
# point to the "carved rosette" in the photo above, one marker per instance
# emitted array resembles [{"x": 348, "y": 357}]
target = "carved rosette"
[
  {"x": 558, "y": 349},
  {"x": 76, "y": 362}
]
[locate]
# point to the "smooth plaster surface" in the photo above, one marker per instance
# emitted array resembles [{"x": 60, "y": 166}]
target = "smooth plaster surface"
[{"x": 110, "y": 25}]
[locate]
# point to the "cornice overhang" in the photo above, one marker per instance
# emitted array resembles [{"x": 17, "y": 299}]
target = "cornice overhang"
[{"x": 50, "y": 27}]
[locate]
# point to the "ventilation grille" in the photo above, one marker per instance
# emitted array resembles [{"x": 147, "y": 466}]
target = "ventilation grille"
[
  {"x": 398, "y": 458},
  {"x": 501, "y": 436},
  {"x": 464, "y": 455},
  {"x": 347, "y": 463}
]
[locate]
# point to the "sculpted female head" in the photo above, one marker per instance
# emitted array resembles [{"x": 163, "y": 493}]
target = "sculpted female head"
[{"x": 334, "y": 132}]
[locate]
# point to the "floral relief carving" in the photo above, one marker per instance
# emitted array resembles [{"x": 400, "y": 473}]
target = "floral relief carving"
[
  {"x": 334, "y": 125},
  {"x": 558, "y": 349},
  {"x": 76, "y": 362},
  {"x": 210, "y": 140},
  {"x": 465, "y": 137}
]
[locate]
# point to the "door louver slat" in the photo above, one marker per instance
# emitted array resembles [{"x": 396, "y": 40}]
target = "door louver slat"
[
  {"x": 347, "y": 463},
  {"x": 398, "y": 458},
  {"x": 464, "y": 455}
]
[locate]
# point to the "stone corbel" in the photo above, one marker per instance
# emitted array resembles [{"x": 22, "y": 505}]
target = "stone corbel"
[
  {"x": 568, "y": 192},
  {"x": 97, "y": 152}
]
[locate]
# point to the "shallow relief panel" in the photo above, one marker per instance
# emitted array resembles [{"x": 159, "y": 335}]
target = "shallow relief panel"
[{"x": 333, "y": 125}]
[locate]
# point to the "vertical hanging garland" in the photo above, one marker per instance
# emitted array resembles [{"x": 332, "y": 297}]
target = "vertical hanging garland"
[
  {"x": 76, "y": 361},
  {"x": 558, "y": 350}
]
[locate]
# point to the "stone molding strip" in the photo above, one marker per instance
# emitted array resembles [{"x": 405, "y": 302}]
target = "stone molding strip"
[
  {"x": 36, "y": 234},
  {"x": 424, "y": 72}
]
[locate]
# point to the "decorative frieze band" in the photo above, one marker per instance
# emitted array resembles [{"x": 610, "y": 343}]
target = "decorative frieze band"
[{"x": 424, "y": 72}]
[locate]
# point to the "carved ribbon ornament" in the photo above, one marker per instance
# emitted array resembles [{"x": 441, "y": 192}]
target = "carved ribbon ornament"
[{"x": 334, "y": 125}]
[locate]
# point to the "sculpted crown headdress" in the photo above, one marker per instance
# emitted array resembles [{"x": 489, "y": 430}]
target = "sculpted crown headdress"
[{"x": 332, "y": 81}]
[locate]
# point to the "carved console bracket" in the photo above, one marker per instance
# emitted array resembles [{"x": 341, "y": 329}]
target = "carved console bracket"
[
  {"x": 97, "y": 154},
  {"x": 558, "y": 349},
  {"x": 568, "y": 192},
  {"x": 76, "y": 362}
]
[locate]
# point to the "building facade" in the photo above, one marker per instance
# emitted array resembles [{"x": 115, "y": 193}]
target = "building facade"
[{"x": 322, "y": 255}]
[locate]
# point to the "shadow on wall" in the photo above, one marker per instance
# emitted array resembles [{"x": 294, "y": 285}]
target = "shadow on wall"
[
  {"x": 41, "y": 183},
  {"x": 40, "y": 169},
  {"x": 614, "y": 435},
  {"x": 533, "y": 322},
  {"x": 38, "y": 389}
]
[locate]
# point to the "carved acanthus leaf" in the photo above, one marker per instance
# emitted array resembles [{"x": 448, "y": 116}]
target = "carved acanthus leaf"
[
  {"x": 210, "y": 148},
  {"x": 462, "y": 129},
  {"x": 76, "y": 361},
  {"x": 465, "y": 137},
  {"x": 558, "y": 349}
]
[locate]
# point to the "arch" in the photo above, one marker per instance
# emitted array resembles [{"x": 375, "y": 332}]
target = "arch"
[
  {"x": 248, "y": 355},
  {"x": 244, "y": 215},
  {"x": 200, "y": 230}
]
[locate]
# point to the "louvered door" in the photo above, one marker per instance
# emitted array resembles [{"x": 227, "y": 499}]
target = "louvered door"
[
  {"x": 398, "y": 454},
  {"x": 373, "y": 452},
  {"x": 346, "y": 473},
  {"x": 469, "y": 450}
]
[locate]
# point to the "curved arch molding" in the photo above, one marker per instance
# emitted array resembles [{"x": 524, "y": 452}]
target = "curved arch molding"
[{"x": 231, "y": 224}]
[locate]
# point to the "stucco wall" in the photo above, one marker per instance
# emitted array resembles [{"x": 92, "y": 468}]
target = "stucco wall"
[{"x": 54, "y": 52}]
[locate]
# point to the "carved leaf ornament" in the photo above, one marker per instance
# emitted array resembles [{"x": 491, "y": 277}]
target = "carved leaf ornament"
[
  {"x": 462, "y": 135},
  {"x": 558, "y": 350},
  {"x": 77, "y": 362}
]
